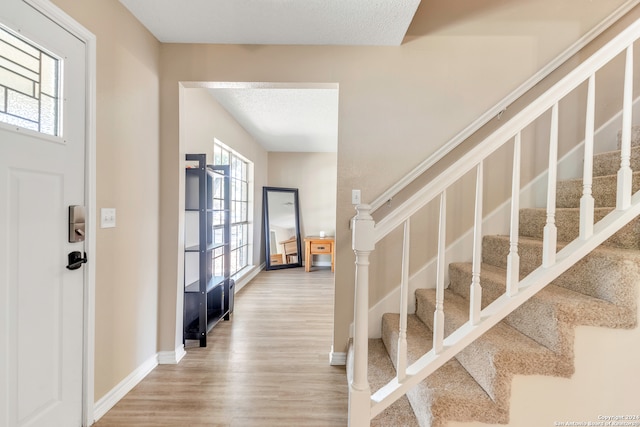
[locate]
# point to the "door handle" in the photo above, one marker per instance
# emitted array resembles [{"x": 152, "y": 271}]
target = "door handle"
[{"x": 76, "y": 260}]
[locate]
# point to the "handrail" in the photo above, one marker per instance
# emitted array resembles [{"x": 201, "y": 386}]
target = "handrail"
[
  {"x": 507, "y": 131},
  {"x": 366, "y": 233},
  {"x": 501, "y": 105}
]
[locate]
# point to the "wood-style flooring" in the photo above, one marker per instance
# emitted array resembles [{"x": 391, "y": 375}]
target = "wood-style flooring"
[{"x": 268, "y": 366}]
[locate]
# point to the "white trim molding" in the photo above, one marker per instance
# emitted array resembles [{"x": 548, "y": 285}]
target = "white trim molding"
[
  {"x": 171, "y": 357},
  {"x": 110, "y": 399},
  {"x": 337, "y": 359}
]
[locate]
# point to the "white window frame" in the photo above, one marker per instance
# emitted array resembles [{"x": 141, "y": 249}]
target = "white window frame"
[{"x": 236, "y": 202}]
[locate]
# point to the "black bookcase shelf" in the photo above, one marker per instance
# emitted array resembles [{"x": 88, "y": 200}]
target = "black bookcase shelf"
[{"x": 208, "y": 290}]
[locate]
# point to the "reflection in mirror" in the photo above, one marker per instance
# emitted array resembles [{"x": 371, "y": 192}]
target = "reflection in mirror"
[{"x": 282, "y": 228}]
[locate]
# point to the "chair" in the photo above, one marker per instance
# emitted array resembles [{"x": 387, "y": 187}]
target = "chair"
[{"x": 290, "y": 249}]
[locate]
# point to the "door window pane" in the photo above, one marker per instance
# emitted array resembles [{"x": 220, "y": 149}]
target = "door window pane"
[{"x": 29, "y": 85}]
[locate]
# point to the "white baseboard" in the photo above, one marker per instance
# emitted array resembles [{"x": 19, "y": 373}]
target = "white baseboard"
[
  {"x": 171, "y": 357},
  {"x": 337, "y": 359},
  {"x": 242, "y": 281},
  {"x": 109, "y": 400}
]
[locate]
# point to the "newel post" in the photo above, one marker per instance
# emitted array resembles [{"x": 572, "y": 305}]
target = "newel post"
[{"x": 359, "y": 390}]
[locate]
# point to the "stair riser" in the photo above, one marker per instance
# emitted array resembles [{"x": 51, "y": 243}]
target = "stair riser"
[
  {"x": 450, "y": 389},
  {"x": 609, "y": 163},
  {"x": 604, "y": 191},
  {"x": 485, "y": 359},
  {"x": 460, "y": 282},
  {"x": 544, "y": 331},
  {"x": 635, "y": 137},
  {"x": 532, "y": 222},
  {"x": 390, "y": 336},
  {"x": 597, "y": 274},
  {"x": 474, "y": 358}
]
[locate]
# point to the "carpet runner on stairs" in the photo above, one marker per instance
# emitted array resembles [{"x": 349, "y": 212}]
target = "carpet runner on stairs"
[{"x": 537, "y": 338}]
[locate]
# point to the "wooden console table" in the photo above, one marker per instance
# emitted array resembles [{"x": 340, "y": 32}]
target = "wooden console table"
[{"x": 314, "y": 245}]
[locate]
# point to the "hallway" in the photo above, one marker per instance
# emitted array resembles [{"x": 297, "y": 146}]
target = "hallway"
[{"x": 267, "y": 367}]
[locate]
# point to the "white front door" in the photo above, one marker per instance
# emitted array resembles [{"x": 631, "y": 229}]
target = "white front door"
[{"x": 41, "y": 301}]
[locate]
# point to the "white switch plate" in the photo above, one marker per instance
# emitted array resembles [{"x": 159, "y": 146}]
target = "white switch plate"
[
  {"x": 355, "y": 197},
  {"x": 107, "y": 217}
]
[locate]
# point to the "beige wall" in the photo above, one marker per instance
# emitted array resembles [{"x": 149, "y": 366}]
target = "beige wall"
[
  {"x": 127, "y": 150},
  {"x": 315, "y": 177},
  {"x": 397, "y": 104}
]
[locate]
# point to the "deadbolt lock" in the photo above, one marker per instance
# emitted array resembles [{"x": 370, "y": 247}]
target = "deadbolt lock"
[{"x": 76, "y": 223}]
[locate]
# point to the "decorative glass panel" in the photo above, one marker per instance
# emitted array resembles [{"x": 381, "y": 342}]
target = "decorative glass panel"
[
  {"x": 18, "y": 69},
  {"x": 48, "y": 117},
  {"x": 17, "y": 121},
  {"x": 16, "y": 82},
  {"x": 29, "y": 85},
  {"x": 49, "y": 80},
  {"x": 23, "y": 106},
  {"x": 19, "y": 44}
]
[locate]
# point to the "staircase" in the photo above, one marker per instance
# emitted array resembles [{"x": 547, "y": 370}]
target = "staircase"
[
  {"x": 514, "y": 309},
  {"x": 535, "y": 339}
]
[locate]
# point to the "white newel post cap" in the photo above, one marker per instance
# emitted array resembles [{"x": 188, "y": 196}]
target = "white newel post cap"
[{"x": 363, "y": 230}]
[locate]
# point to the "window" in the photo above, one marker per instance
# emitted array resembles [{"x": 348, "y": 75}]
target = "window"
[
  {"x": 240, "y": 215},
  {"x": 29, "y": 85}
]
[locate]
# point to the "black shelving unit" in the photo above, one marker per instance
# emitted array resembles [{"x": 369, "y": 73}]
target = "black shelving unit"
[{"x": 207, "y": 287}]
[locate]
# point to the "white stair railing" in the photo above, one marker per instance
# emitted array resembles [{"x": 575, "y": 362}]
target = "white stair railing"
[
  {"x": 362, "y": 405},
  {"x": 513, "y": 259}
]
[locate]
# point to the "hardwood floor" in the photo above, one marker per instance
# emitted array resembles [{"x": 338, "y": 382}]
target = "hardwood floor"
[{"x": 268, "y": 366}]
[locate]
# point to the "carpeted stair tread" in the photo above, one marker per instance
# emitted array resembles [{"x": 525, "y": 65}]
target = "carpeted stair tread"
[
  {"x": 549, "y": 316},
  {"x": 533, "y": 220},
  {"x": 497, "y": 355},
  {"x": 606, "y": 273},
  {"x": 635, "y": 137},
  {"x": 608, "y": 163},
  {"x": 450, "y": 393},
  {"x": 538, "y": 337},
  {"x": 380, "y": 371},
  {"x": 569, "y": 192}
]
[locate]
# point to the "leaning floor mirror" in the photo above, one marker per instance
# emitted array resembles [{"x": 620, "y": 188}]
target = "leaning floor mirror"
[{"x": 281, "y": 228}]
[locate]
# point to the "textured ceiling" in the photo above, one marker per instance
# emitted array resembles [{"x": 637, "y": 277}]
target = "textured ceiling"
[
  {"x": 314, "y": 22},
  {"x": 281, "y": 118}
]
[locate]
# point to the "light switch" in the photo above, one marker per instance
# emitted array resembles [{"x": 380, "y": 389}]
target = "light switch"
[
  {"x": 355, "y": 197},
  {"x": 107, "y": 217}
]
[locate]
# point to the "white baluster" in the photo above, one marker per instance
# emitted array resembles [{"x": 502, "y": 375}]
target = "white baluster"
[
  {"x": 625, "y": 175},
  {"x": 550, "y": 230},
  {"x": 513, "y": 259},
  {"x": 438, "y": 315},
  {"x": 401, "y": 365},
  {"x": 359, "y": 389},
  {"x": 587, "y": 203},
  {"x": 476, "y": 290}
]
